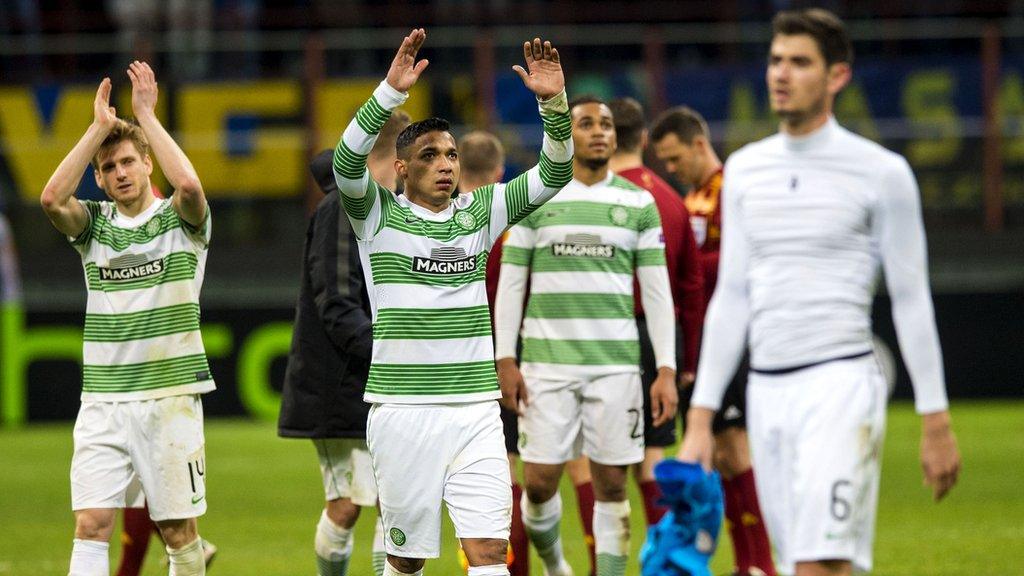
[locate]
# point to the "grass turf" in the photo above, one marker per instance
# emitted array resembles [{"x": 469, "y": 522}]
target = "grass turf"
[{"x": 265, "y": 497}]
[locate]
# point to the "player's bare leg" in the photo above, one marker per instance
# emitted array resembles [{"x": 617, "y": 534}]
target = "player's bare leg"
[
  {"x": 732, "y": 452},
  {"x": 184, "y": 547},
  {"x": 611, "y": 518},
  {"x": 333, "y": 541},
  {"x": 824, "y": 568},
  {"x": 486, "y": 556},
  {"x": 542, "y": 514},
  {"x": 93, "y": 528}
]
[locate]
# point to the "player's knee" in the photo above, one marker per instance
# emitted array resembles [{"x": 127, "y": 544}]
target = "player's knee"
[
  {"x": 405, "y": 565},
  {"x": 342, "y": 512},
  {"x": 540, "y": 492},
  {"x": 541, "y": 482},
  {"x": 732, "y": 453},
  {"x": 485, "y": 551},
  {"x": 94, "y": 524},
  {"x": 178, "y": 533}
]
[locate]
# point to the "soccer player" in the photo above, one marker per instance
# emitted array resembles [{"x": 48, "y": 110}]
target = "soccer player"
[
  {"x": 329, "y": 361},
  {"x": 434, "y": 431},
  {"x": 809, "y": 215},
  {"x": 579, "y": 390},
  {"x": 141, "y": 420},
  {"x": 685, "y": 276},
  {"x": 683, "y": 142}
]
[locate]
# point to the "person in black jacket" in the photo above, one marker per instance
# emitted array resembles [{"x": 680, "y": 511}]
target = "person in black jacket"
[{"x": 330, "y": 359}]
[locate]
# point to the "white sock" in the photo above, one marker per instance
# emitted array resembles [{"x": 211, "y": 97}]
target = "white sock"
[
  {"x": 333, "y": 545},
  {"x": 187, "y": 560},
  {"x": 90, "y": 558},
  {"x": 492, "y": 570},
  {"x": 611, "y": 537},
  {"x": 379, "y": 555},
  {"x": 390, "y": 570},
  {"x": 543, "y": 525}
]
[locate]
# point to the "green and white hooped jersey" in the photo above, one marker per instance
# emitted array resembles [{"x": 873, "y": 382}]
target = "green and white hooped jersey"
[
  {"x": 144, "y": 275},
  {"x": 582, "y": 250},
  {"x": 425, "y": 271}
]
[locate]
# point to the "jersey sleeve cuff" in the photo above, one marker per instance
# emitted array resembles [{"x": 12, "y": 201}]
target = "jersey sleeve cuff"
[
  {"x": 557, "y": 104},
  {"x": 388, "y": 97}
]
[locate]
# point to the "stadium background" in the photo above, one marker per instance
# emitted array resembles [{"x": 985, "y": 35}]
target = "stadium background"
[{"x": 252, "y": 88}]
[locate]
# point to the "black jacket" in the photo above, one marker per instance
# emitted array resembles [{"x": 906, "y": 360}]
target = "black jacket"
[{"x": 333, "y": 338}]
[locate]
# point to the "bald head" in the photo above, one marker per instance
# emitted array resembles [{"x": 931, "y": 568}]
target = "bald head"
[{"x": 483, "y": 159}]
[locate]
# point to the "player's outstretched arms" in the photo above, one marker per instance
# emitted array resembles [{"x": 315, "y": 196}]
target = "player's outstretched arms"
[
  {"x": 58, "y": 198},
  {"x": 940, "y": 457},
  {"x": 524, "y": 193},
  {"x": 543, "y": 74},
  {"x": 189, "y": 201},
  {"x": 698, "y": 440},
  {"x": 360, "y": 195},
  {"x": 405, "y": 70}
]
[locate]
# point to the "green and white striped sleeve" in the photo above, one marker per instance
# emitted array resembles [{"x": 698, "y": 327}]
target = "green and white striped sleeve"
[
  {"x": 516, "y": 255},
  {"x": 650, "y": 249},
  {"x": 525, "y": 193},
  {"x": 360, "y": 195},
  {"x": 655, "y": 290}
]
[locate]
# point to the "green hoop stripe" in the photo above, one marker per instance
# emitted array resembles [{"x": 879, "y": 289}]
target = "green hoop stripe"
[
  {"x": 139, "y": 325},
  {"x": 581, "y": 352}
]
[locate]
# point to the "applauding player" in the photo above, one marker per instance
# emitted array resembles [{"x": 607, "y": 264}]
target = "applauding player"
[{"x": 434, "y": 432}]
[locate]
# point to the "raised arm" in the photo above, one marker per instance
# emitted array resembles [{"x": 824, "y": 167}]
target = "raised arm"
[
  {"x": 360, "y": 194},
  {"x": 899, "y": 231},
  {"x": 524, "y": 193},
  {"x": 188, "y": 200},
  {"x": 58, "y": 199}
]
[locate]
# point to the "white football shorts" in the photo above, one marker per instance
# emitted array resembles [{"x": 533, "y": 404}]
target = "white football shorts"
[
  {"x": 347, "y": 470},
  {"x": 156, "y": 444},
  {"x": 424, "y": 454},
  {"x": 816, "y": 439},
  {"x": 602, "y": 417}
]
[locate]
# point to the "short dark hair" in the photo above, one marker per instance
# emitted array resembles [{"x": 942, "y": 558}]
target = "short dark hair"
[
  {"x": 629, "y": 122},
  {"x": 585, "y": 99},
  {"x": 480, "y": 153},
  {"x": 413, "y": 131},
  {"x": 683, "y": 121},
  {"x": 827, "y": 30}
]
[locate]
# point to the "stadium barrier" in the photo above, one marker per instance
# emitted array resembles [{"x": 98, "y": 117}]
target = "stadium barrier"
[{"x": 40, "y": 355}]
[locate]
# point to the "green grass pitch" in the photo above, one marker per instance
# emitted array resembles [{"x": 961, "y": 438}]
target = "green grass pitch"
[{"x": 265, "y": 497}]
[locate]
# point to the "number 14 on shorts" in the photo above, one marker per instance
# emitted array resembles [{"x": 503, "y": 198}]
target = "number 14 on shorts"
[{"x": 197, "y": 475}]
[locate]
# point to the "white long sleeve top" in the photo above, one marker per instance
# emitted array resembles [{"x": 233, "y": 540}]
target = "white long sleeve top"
[{"x": 806, "y": 223}]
